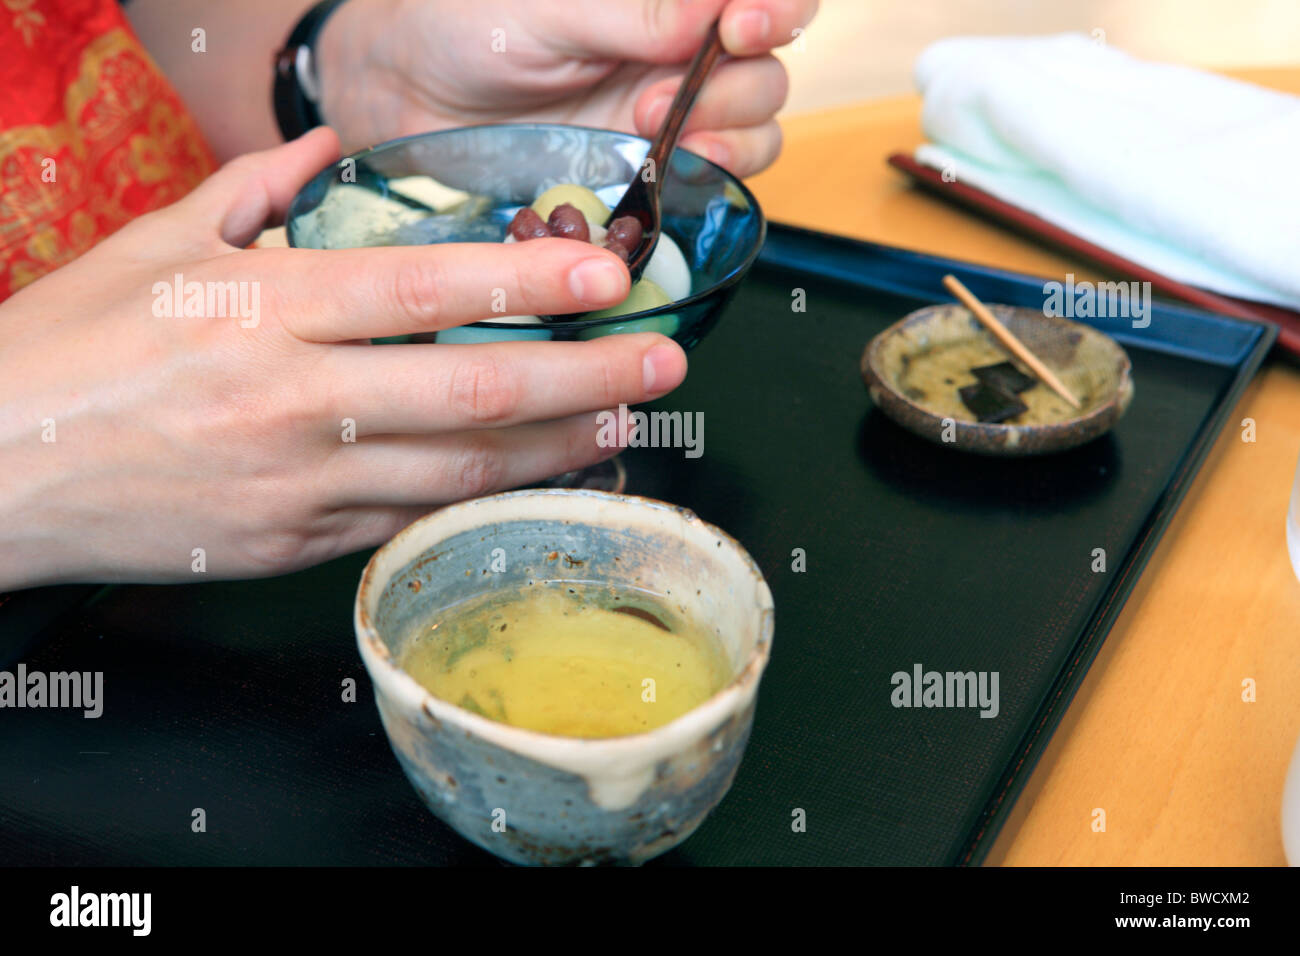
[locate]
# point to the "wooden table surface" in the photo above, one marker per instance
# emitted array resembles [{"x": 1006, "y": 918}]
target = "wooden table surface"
[{"x": 1159, "y": 736}]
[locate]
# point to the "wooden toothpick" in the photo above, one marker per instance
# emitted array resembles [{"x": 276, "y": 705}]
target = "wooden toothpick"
[{"x": 1003, "y": 335}]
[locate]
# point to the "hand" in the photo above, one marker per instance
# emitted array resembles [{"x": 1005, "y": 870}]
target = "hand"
[
  {"x": 394, "y": 67},
  {"x": 227, "y": 433}
]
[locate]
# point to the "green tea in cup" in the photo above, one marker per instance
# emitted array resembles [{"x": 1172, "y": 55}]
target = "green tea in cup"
[{"x": 567, "y": 658}]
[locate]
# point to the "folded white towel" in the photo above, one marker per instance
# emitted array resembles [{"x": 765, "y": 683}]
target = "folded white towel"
[{"x": 1189, "y": 174}]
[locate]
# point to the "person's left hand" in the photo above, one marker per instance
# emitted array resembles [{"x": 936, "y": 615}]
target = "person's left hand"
[{"x": 390, "y": 68}]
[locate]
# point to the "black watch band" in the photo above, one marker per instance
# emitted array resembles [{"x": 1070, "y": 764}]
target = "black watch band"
[{"x": 295, "y": 91}]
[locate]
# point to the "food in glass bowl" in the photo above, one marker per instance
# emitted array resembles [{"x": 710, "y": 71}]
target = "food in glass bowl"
[
  {"x": 468, "y": 184},
  {"x": 570, "y": 211}
]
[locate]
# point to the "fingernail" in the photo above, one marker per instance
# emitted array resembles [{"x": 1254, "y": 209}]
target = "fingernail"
[
  {"x": 598, "y": 281},
  {"x": 749, "y": 29},
  {"x": 658, "y": 368}
]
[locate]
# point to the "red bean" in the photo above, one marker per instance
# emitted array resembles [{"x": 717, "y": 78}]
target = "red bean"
[
  {"x": 626, "y": 231},
  {"x": 528, "y": 225},
  {"x": 568, "y": 223},
  {"x": 618, "y": 249}
]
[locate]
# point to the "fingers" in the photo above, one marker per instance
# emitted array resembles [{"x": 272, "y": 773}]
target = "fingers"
[
  {"x": 756, "y": 26},
  {"x": 732, "y": 123},
  {"x": 409, "y": 470},
  {"x": 648, "y": 31},
  {"x": 355, "y": 529},
  {"x": 434, "y": 388},
  {"x": 338, "y": 295},
  {"x": 742, "y": 151},
  {"x": 668, "y": 31},
  {"x": 740, "y": 93},
  {"x": 253, "y": 191}
]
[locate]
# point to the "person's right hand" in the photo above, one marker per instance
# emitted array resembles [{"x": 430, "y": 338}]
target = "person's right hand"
[{"x": 175, "y": 434}]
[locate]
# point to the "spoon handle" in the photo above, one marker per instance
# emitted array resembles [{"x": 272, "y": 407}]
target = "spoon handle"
[
  {"x": 641, "y": 198},
  {"x": 675, "y": 118}
]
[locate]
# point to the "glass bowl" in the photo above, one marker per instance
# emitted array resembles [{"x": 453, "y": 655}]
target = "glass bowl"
[{"x": 469, "y": 183}]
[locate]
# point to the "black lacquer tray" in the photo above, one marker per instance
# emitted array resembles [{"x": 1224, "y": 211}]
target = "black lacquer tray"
[{"x": 228, "y": 696}]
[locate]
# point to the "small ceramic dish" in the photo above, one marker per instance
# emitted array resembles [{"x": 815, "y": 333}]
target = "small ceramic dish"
[
  {"x": 533, "y": 797},
  {"x": 914, "y": 368}
]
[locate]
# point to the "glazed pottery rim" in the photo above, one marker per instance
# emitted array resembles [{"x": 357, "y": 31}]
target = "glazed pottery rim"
[
  {"x": 1112, "y": 405},
  {"x": 578, "y": 754},
  {"x": 695, "y": 298}
]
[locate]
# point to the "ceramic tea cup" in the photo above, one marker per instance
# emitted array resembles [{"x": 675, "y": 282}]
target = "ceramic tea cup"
[{"x": 538, "y": 798}]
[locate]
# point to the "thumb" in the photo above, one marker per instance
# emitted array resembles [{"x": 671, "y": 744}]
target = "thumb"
[{"x": 253, "y": 191}]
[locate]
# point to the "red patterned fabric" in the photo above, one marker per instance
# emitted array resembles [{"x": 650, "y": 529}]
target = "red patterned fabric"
[{"x": 91, "y": 134}]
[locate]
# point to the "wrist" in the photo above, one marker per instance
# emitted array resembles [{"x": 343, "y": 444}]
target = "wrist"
[
  {"x": 360, "y": 96},
  {"x": 32, "y": 550},
  {"x": 44, "y": 537},
  {"x": 337, "y": 59},
  {"x": 295, "y": 90}
]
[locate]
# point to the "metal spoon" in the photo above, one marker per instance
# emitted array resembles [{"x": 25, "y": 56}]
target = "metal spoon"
[{"x": 641, "y": 201}]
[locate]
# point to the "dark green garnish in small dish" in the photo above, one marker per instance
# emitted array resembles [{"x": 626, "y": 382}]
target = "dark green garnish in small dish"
[
  {"x": 990, "y": 405},
  {"x": 1005, "y": 377}
]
